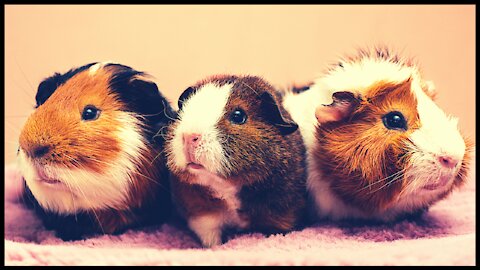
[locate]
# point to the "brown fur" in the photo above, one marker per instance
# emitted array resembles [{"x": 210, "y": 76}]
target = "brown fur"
[{"x": 194, "y": 200}]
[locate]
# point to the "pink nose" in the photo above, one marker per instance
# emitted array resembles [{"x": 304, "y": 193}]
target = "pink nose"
[
  {"x": 191, "y": 142},
  {"x": 448, "y": 161},
  {"x": 192, "y": 139}
]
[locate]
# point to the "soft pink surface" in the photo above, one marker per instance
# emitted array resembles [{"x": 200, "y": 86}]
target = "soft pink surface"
[{"x": 444, "y": 236}]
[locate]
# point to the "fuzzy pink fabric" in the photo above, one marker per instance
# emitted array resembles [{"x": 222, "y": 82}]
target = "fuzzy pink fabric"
[{"x": 443, "y": 236}]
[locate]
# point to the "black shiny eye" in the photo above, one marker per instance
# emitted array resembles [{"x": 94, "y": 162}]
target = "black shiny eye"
[
  {"x": 90, "y": 112},
  {"x": 238, "y": 117},
  {"x": 394, "y": 120}
]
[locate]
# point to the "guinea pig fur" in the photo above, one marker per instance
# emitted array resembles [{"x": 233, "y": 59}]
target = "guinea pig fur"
[
  {"x": 87, "y": 153},
  {"x": 237, "y": 159},
  {"x": 379, "y": 148}
]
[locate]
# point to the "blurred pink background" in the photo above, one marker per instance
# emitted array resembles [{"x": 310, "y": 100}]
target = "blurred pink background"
[{"x": 179, "y": 45}]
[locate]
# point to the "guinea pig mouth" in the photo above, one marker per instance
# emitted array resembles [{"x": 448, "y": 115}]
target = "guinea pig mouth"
[
  {"x": 53, "y": 183},
  {"x": 45, "y": 179},
  {"x": 195, "y": 166},
  {"x": 50, "y": 181}
]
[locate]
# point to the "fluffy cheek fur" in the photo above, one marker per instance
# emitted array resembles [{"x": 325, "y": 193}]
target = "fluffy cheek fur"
[
  {"x": 96, "y": 165},
  {"x": 422, "y": 170},
  {"x": 252, "y": 149},
  {"x": 364, "y": 172}
]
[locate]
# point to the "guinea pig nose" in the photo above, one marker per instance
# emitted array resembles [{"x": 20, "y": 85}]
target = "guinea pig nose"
[
  {"x": 448, "y": 161},
  {"x": 193, "y": 138},
  {"x": 40, "y": 150}
]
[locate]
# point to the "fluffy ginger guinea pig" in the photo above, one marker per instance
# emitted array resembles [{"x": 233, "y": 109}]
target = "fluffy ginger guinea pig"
[
  {"x": 86, "y": 152},
  {"x": 379, "y": 148},
  {"x": 237, "y": 159}
]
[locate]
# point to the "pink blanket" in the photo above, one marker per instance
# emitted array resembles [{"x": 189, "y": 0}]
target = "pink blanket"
[{"x": 443, "y": 236}]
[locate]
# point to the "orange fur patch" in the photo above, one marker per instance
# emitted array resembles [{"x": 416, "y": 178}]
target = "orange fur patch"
[{"x": 57, "y": 123}]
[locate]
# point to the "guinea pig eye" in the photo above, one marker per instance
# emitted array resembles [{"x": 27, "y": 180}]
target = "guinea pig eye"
[
  {"x": 394, "y": 120},
  {"x": 90, "y": 112},
  {"x": 238, "y": 117}
]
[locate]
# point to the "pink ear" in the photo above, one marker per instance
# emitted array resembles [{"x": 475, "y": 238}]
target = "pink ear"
[{"x": 342, "y": 106}]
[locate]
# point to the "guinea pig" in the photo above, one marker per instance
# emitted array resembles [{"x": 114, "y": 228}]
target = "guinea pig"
[
  {"x": 379, "y": 147},
  {"x": 87, "y": 153},
  {"x": 237, "y": 159}
]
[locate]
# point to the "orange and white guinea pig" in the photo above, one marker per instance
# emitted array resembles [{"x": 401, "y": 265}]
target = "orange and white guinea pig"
[
  {"x": 237, "y": 159},
  {"x": 87, "y": 152},
  {"x": 379, "y": 148}
]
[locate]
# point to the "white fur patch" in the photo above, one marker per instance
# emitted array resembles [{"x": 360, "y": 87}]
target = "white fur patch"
[
  {"x": 358, "y": 76},
  {"x": 222, "y": 188},
  {"x": 200, "y": 115},
  {"x": 438, "y": 133},
  {"x": 85, "y": 189},
  {"x": 94, "y": 68},
  {"x": 302, "y": 110},
  {"x": 209, "y": 227}
]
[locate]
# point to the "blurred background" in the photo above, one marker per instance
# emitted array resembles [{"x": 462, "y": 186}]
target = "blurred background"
[{"x": 182, "y": 44}]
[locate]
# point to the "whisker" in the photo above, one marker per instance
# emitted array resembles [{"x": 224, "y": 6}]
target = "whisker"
[
  {"x": 256, "y": 92},
  {"x": 158, "y": 155},
  {"x": 14, "y": 128},
  {"x": 165, "y": 111},
  {"x": 15, "y": 116},
  {"x": 160, "y": 133},
  {"x": 24, "y": 75},
  {"x": 383, "y": 179},
  {"x": 12, "y": 142}
]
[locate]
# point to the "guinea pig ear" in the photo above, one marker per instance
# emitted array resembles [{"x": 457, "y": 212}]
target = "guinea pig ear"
[
  {"x": 429, "y": 88},
  {"x": 48, "y": 86},
  {"x": 273, "y": 115},
  {"x": 46, "y": 89},
  {"x": 342, "y": 106},
  {"x": 148, "y": 100},
  {"x": 184, "y": 96}
]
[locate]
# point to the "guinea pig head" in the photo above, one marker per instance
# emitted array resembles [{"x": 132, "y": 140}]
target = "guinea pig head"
[
  {"x": 387, "y": 144},
  {"x": 85, "y": 140},
  {"x": 230, "y": 126}
]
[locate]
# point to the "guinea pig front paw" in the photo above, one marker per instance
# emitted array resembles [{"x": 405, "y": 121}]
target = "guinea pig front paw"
[
  {"x": 211, "y": 238},
  {"x": 208, "y": 229}
]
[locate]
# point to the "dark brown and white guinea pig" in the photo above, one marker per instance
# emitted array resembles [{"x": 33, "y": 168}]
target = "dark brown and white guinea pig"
[
  {"x": 379, "y": 148},
  {"x": 87, "y": 154},
  {"x": 237, "y": 159}
]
